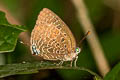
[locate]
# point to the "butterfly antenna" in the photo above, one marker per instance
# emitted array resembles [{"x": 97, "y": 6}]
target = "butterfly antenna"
[
  {"x": 84, "y": 37},
  {"x": 27, "y": 44}
]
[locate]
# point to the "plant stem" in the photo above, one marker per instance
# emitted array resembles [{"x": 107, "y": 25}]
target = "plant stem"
[{"x": 92, "y": 39}]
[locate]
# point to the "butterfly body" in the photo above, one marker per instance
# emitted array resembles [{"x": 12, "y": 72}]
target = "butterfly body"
[{"x": 51, "y": 39}]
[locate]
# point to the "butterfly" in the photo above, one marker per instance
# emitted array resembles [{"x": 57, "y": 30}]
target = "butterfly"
[{"x": 51, "y": 39}]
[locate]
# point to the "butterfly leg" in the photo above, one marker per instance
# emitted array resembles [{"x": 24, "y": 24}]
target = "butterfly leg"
[
  {"x": 75, "y": 61},
  {"x": 60, "y": 63},
  {"x": 71, "y": 63}
]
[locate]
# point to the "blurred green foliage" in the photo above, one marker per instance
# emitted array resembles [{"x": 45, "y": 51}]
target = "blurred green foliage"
[
  {"x": 29, "y": 68},
  {"x": 8, "y": 34},
  {"x": 114, "y": 74}
]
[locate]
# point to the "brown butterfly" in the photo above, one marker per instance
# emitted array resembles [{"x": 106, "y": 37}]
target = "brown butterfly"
[{"x": 51, "y": 39}]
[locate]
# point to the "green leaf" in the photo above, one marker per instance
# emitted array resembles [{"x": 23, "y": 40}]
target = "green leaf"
[
  {"x": 29, "y": 68},
  {"x": 8, "y": 34},
  {"x": 114, "y": 74}
]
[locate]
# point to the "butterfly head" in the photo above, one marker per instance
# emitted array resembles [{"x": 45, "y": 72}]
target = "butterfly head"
[
  {"x": 73, "y": 54},
  {"x": 77, "y": 50}
]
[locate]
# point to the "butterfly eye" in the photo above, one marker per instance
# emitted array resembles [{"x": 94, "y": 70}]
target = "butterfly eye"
[{"x": 78, "y": 50}]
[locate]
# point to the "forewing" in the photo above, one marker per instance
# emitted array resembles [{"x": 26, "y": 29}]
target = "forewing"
[{"x": 52, "y": 36}]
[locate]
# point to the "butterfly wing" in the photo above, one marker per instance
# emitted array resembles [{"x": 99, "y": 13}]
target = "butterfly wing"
[{"x": 51, "y": 37}]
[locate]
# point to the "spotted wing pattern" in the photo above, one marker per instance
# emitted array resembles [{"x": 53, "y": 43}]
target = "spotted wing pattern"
[{"x": 51, "y": 38}]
